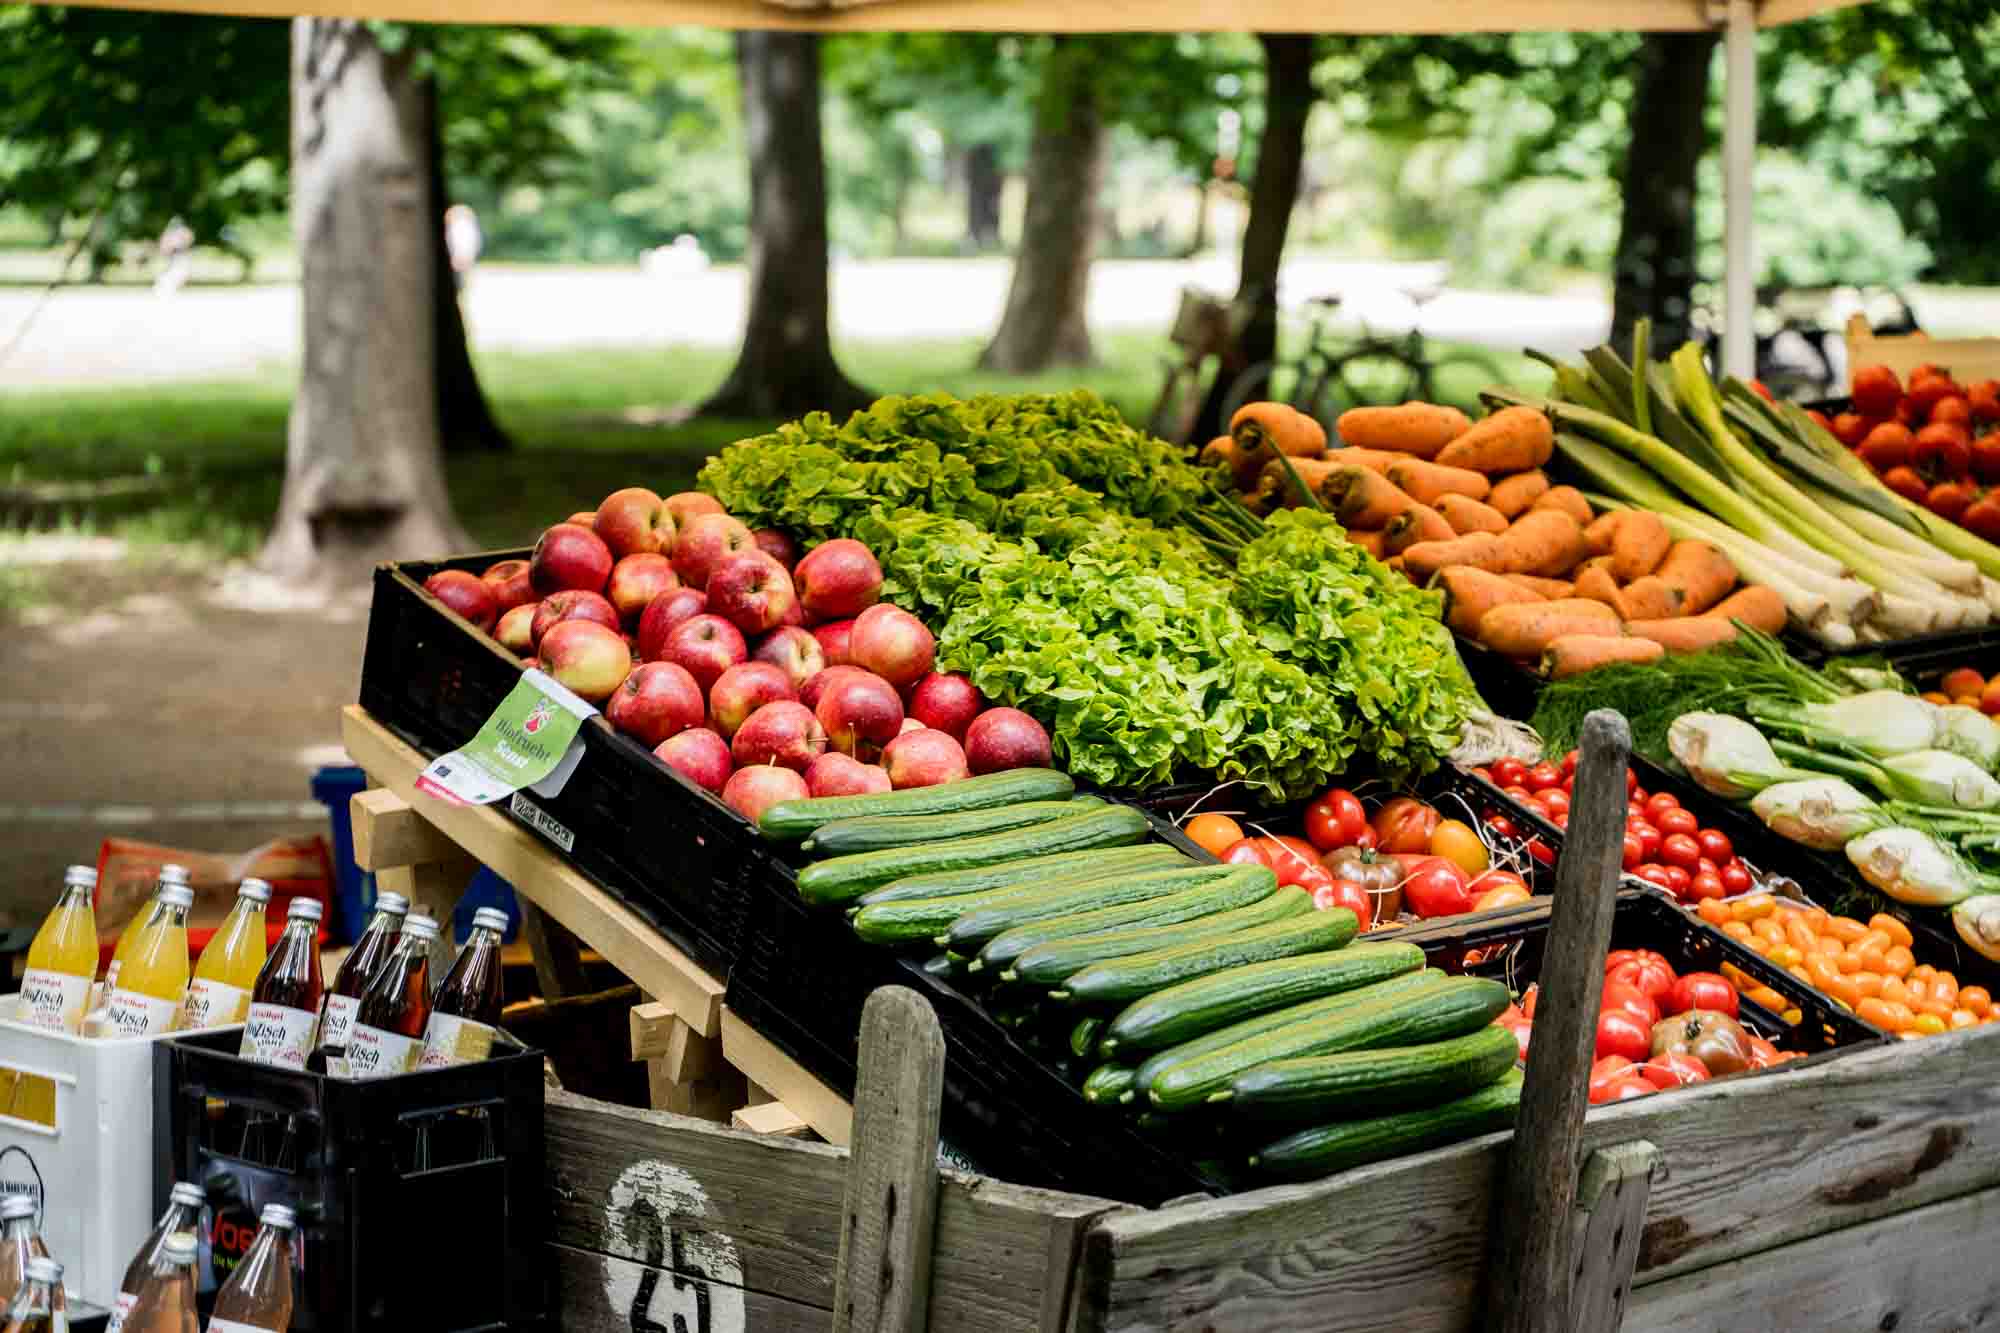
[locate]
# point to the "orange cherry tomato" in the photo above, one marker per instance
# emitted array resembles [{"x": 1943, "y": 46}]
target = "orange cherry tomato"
[
  {"x": 1798, "y": 934},
  {"x": 1214, "y": 834},
  {"x": 1737, "y": 931},
  {"x": 1883, "y": 1014},
  {"x": 1845, "y": 929},
  {"x": 1897, "y": 960},
  {"x": 1455, "y": 841},
  {"x": 1922, "y": 972},
  {"x": 1897, "y": 932},
  {"x": 1866, "y": 984},
  {"x": 1944, "y": 986},
  {"x": 1713, "y": 912},
  {"x": 1975, "y": 999},
  {"x": 1895, "y": 989},
  {"x": 1507, "y": 895},
  {"x": 1963, "y": 1018},
  {"x": 1930, "y": 1024}
]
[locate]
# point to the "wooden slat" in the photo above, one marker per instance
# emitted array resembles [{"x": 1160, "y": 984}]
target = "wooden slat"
[
  {"x": 1611, "y": 1199},
  {"x": 523, "y": 860},
  {"x": 770, "y": 1068},
  {"x": 769, "y": 1118},
  {"x": 652, "y": 1024},
  {"x": 558, "y": 958},
  {"x": 1751, "y": 1163},
  {"x": 603, "y": 1293},
  {"x": 387, "y": 832}
]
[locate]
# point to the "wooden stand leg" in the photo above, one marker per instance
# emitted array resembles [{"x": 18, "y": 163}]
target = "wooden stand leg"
[
  {"x": 409, "y": 856},
  {"x": 1611, "y": 1197},
  {"x": 558, "y": 956},
  {"x": 685, "y": 1071},
  {"x": 433, "y": 889}
]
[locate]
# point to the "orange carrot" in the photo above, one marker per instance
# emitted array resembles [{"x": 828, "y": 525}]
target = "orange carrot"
[
  {"x": 1468, "y": 515},
  {"x": 1650, "y": 598},
  {"x": 1360, "y": 499},
  {"x": 1428, "y": 482},
  {"x": 1702, "y": 574},
  {"x": 1512, "y": 495},
  {"x": 1270, "y": 428},
  {"x": 1548, "y": 542},
  {"x": 1640, "y": 544},
  {"x": 1375, "y": 460},
  {"x": 1568, "y": 499},
  {"x": 1524, "y": 629},
  {"x": 1414, "y": 428},
  {"x": 1683, "y": 634},
  {"x": 1418, "y": 523},
  {"x": 1574, "y": 654},
  {"x": 1278, "y": 488},
  {"x": 1597, "y": 534},
  {"x": 1755, "y": 605},
  {"x": 1370, "y": 542},
  {"x": 1470, "y": 593},
  {"x": 1508, "y": 441},
  {"x": 1481, "y": 550},
  {"x": 1546, "y": 589},
  {"x": 1593, "y": 580}
]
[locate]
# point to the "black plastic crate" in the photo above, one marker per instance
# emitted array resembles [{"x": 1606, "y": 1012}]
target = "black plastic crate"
[
  {"x": 441, "y": 1169},
  {"x": 671, "y": 851}
]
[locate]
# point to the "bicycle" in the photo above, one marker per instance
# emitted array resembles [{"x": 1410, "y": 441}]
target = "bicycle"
[{"x": 1205, "y": 326}]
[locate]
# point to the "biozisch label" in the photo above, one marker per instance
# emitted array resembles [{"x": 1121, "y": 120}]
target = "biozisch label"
[
  {"x": 275, "y": 1034},
  {"x": 451, "y": 1040},
  {"x": 234, "y": 1326},
  {"x": 339, "y": 1019},
  {"x": 214, "y": 1004},
  {"x": 131, "y": 1014},
  {"x": 53, "y": 1000},
  {"x": 373, "y": 1053}
]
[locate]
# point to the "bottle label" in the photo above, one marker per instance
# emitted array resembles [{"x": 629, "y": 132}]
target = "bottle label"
[
  {"x": 275, "y": 1034},
  {"x": 214, "y": 1004},
  {"x": 451, "y": 1040},
  {"x": 339, "y": 1020},
  {"x": 121, "y": 1311},
  {"x": 373, "y": 1053},
  {"x": 235, "y": 1326},
  {"x": 131, "y": 1014},
  {"x": 111, "y": 975},
  {"x": 53, "y": 1001}
]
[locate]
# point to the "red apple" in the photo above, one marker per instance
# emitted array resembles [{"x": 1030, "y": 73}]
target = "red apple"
[
  {"x": 911, "y": 724},
  {"x": 836, "y": 774},
  {"x": 634, "y": 521},
  {"x": 516, "y": 630},
  {"x": 636, "y": 580},
  {"x": 1002, "y": 738},
  {"x": 815, "y": 685},
  {"x": 583, "y": 518},
  {"x": 465, "y": 593},
  {"x": 700, "y": 756},
  {"x": 662, "y": 614},
  {"x": 836, "y": 641},
  {"x": 751, "y": 791},
  {"x": 861, "y": 714},
  {"x": 707, "y": 646},
  {"x": 687, "y": 506},
  {"x": 750, "y": 590},
  {"x": 509, "y": 583},
  {"x": 745, "y": 688},
  {"x": 558, "y": 607},
  {"x": 591, "y": 660},
  {"x": 793, "y": 650},
  {"x": 838, "y": 578},
  {"x": 778, "y": 546},
  {"x": 795, "y": 615},
  {"x": 657, "y": 700},
  {"x": 947, "y": 701},
  {"x": 784, "y": 733},
  {"x": 569, "y": 556},
  {"x": 892, "y": 643},
  {"x": 704, "y": 542},
  {"x": 924, "y": 758}
]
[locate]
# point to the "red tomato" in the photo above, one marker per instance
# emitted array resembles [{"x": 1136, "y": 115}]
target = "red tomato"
[
  {"x": 1649, "y": 840},
  {"x": 1437, "y": 888},
  {"x": 1715, "y": 845},
  {"x": 1247, "y": 852},
  {"x": 1635, "y": 813},
  {"x": 1508, "y": 772},
  {"x": 1678, "y": 849},
  {"x": 1950, "y": 499},
  {"x": 1735, "y": 878},
  {"x": 1569, "y": 763},
  {"x": 1762, "y": 1053},
  {"x": 1702, "y": 990},
  {"x": 1497, "y": 879},
  {"x": 1404, "y": 824},
  {"x": 1673, "y": 819},
  {"x": 1543, "y": 775},
  {"x": 1762, "y": 392},
  {"x": 1706, "y": 885},
  {"x": 1335, "y": 819},
  {"x": 1943, "y": 450},
  {"x": 1553, "y": 801},
  {"x": 1986, "y": 457},
  {"x": 1518, "y": 793},
  {"x": 1346, "y": 893},
  {"x": 1655, "y": 873},
  {"x": 1673, "y": 1069},
  {"x": 1657, "y": 802},
  {"x": 1678, "y": 880},
  {"x": 1906, "y": 482},
  {"x": 1635, "y": 852},
  {"x": 1851, "y": 428},
  {"x": 1608, "y": 1070},
  {"x": 1541, "y": 852},
  {"x": 1286, "y": 857},
  {"x": 1631, "y": 783},
  {"x": 1875, "y": 389},
  {"x": 1622, "y": 1090},
  {"x": 1624, "y": 995},
  {"x": 1528, "y": 999},
  {"x": 1500, "y": 826},
  {"x": 1642, "y": 969},
  {"x": 1622, "y": 1032},
  {"x": 1886, "y": 447}
]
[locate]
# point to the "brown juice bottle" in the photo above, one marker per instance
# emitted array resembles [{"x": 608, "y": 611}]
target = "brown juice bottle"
[
  {"x": 284, "y": 1007},
  {"x": 468, "y": 999},
  {"x": 166, "y": 1298},
  {"x": 343, "y": 997},
  {"x": 183, "y": 1214},
  {"x": 20, "y": 1244},
  {"x": 38, "y": 1307},
  {"x": 258, "y": 1296},
  {"x": 388, "y": 1033}
]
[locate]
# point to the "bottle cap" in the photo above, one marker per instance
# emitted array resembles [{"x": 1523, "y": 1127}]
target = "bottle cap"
[
  {"x": 277, "y": 1215},
  {"x": 80, "y": 877},
  {"x": 41, "y": 1268},
  {"x": 177, "y": 895},
  {"x": 490, "y": 917},
  {"x": 173, "y": 874},
  {"x": 17, "y": 1205},
  {"x": 395, "y": 904},
  {"x": 178, "y": 1248},
  {"x": 305, "y": 909},
  {"x": 189, "y": 1193},
  {"x": 420, "y": 926},
  {"x": 256, "y": 890}
]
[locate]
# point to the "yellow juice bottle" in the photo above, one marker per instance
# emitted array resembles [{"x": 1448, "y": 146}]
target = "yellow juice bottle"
[
  {"x": 154, "y": 981},
  {"x": 144, "y": 918},
  {"x": 227, "y": 973},
  {"x": 63, "y": 959}
]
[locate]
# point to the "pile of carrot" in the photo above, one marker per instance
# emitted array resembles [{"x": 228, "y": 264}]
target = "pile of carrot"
[{"x": 1527, "y": 568}]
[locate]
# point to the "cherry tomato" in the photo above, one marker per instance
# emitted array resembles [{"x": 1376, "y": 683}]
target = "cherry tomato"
[
  {"x": 1705, "y": 885},
  {"x": 1437, "y": 888},
  {"x": 1543, "y": 775},
  {"x": 1762, "y": 1053},
  {"x": 1631, "y": 782},
  {"x": 1644, "y": 970},
  {"x": 1338, "y": 892},
  {"x": 1715, "y": 845},
  {"x": 1520, "y": 1027},
  {"x": 1529, "y": 998},
  {"x": 1553, "y": 801},
  {"x": 1649, "y": 840},
  {"x": 1624, "y": 995},
  {"x": 1702, "y": 990},
  {"x": 1607, "y": 1070},
  {"x": 1635, "y": 852},
  {"x": 1678, "y": 880},
  {"x": 1560, "y": 820},
  {"x": 1735, "y": 878},
  {"x": 1678, "y": 849},
  {"x": 1500, "y": 826},
  {"x": 1518, "y": 793},
  {"x": 1247, "y": 852},
  {"x": 1483, "y": 773},
  {"x": 1705, "y": 866},
  {"x": 1674, "y": 820},
  {"x": 1542, "y": 853},
  {"x": 1658, "y": 803},
  {"x": 1404, "y": 824},
  {"x": 1214, "y": 834},
  {"x": 1673, "y": 1069},
  {"x": 1569, "y": 763},
  {"x": 1509, "y": 772},
  {"x": 1654, "y": 873},
  {"x": 1455, "y": 841},
  {"x": 1635, "y": 813},
  {"x": 1621, "y": 1032},
  {"x": 1335, "y": 819}
]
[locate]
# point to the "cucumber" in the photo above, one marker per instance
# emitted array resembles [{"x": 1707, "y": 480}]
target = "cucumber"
[
  {"x": 969, "y": 932},
  {"x": 940, "y": 965},
  {"x": 1008, "y": 874},
  {"x": 788, "y": 821},
  {"x": 1191, "y": 1008},
  {"x": 1219, "y": 909},
  {"x": 1324, "y": 1149},
  {"x": 1385, "y": 1014},
  {"x": 1083, "y": 1037},
  {"x": 1395, "y": 1078},
  {"x": 1123, "y": 980},
  {"x": 841, "y": 879},
  {"x": 928, "y": 919},
  {"x": 1108, "y": 1085},
  {"x": 872, "y": 833},
  {"x": 1214, "y": 1075}
]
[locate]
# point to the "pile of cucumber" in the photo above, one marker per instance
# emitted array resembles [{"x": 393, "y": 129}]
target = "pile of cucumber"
[{"x": 1219, "y": 1010}]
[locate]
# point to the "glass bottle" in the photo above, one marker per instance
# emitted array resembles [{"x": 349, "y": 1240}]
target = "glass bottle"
[
  {"x": 227, "y": 973},
  {"x": 166, "y": 1297},
  {"x": 142, "y": 922},
  {"x": 20, "y": 1243},
  {"x": 343, "y": 997},
  {"x": 63, "y": 959},
  {"x": 183, "y": 1215},
  {"x": 468, "y": 1000},
  {"x": 284, "y": 1008},
  {"x": 388, "y": 1033},
  {"x": 154, "y": 980},
  {"x": 38, "y": 1307},
  {"x": 258, "y": 1296}
]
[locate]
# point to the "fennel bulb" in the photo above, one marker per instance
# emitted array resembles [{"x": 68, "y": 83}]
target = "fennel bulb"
[
  {"x": 1969, "y": 732},
  {"x": 1825, "y": 813},
  {"x": 1977, "y": 920},
  {"x": 1912, "y": 867},
  {"x": 1880, "y": 722},
  {"x": 1726, "y": 755},
  {"x": 1938, "y": 777}
]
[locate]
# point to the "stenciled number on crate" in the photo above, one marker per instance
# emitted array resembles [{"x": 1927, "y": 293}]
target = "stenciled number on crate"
[{"x": 692, "y": 1281}]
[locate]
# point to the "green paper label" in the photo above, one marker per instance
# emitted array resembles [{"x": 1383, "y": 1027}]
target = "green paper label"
[{"x": 530, "y": 742}]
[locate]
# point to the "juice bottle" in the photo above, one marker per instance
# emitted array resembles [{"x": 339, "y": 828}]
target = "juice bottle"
[
  {"x": 146, "y": 919},
  {"x": 166, "y": 1297},
  {"x": 258, "y": 1296},
  {"x": 467, "y": 1004},
  {"x": 38, "y": 1307},
  {"x": 63, "y": 959},
  {"x": 343, "y": 997},
  {"x": 284, "y": 1007},
  {"x": 388, "y": 1033},
  {"x": 154, "y": 981},
  {"x": 20, "y": 1243},
  {"x": 227, "y": 973},
  {"x": 183, "y": 1215}
]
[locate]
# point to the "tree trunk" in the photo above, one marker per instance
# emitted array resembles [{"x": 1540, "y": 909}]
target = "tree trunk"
[
  {"x": 786, "y": 366},
  {"x": 364, "y": 475},
  {"x": 983, "y": 182},
  {"x": 1043, "y": 324},
  {"x": 465, "y": 421},
  {"x": 1655, "y": 267},
  {"x": 1288, "y": 104}
]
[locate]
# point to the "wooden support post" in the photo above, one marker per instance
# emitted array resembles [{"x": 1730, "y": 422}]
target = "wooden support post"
[
  {"x": 1611, "y": 1198},
  {"x": 388, "y": 832},
  {"x": 882, "y": 1283},
  {"x": 652, "y": 1023},
  {"x": 558, "y": 957},
  {"x": 1528, "y": 1270}
]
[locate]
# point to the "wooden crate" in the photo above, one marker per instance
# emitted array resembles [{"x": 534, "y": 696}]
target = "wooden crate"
[{"x": 1968, "y": 359}]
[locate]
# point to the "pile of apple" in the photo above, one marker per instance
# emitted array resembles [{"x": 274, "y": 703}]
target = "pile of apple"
[{"x": 756, "y": 674}]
